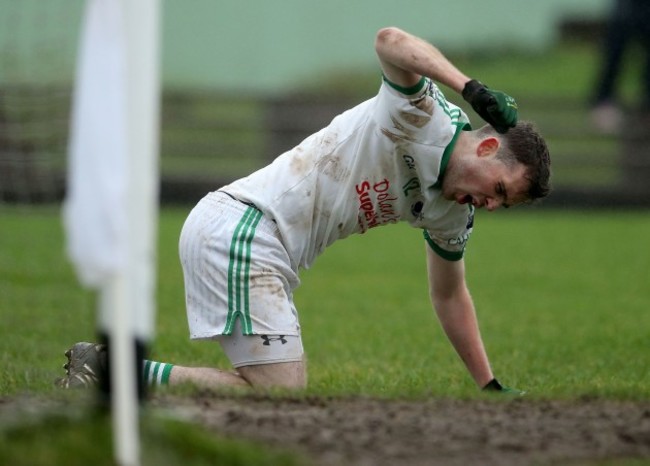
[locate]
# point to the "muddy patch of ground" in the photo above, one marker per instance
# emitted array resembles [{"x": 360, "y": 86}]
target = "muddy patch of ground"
[
  {"x": 435, "y": 432},
  {"x": 365, "y": 432}
]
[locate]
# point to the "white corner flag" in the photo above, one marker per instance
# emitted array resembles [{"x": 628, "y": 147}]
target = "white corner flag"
[
  {"x": 95, "y": 213},
  {"x": 111, "y": 205}
]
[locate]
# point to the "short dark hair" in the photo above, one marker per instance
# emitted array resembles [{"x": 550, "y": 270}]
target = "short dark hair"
[{"x": 524, "y": 144}]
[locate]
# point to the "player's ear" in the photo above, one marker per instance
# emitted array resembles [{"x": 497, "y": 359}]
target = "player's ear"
[{"x": 488, "y": 146}]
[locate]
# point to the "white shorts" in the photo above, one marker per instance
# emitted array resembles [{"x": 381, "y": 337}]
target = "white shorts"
[{"x": 236, "y": 269}]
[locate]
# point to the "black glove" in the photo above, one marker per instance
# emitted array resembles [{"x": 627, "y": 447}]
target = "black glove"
[
  {"x": 494, "y": 386},
  {"x": 495, "y": 107}
]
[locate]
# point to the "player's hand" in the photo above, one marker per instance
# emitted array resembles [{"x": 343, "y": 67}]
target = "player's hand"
[
  {"x": 494, "y": 386},
  {"x": 495, "y": 107}
]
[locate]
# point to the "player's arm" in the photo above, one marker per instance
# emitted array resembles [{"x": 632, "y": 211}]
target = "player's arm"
[
  {"x": 405, "y": 58},
  {"x": 455, "y": 309}
]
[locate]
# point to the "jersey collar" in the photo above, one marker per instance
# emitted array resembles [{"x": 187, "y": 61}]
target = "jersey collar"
[{"x": 446, "y": 155}]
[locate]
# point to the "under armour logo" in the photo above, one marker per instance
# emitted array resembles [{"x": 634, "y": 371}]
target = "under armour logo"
[{"x": 267, "y": 339}]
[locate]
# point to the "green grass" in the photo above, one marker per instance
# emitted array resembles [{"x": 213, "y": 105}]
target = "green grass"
[{"x": 562, "y": 298}]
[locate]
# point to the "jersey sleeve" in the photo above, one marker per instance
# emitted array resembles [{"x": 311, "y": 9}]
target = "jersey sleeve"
[
  {"x": 450, "y": 240},
  {"x": 411, "y": 113},
  {"x": 397, "y": 111}
]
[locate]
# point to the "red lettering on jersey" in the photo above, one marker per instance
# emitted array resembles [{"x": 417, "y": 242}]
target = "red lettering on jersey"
[
  {"x": 375, "y": 214},
  {"x": 363, "y": 187}
]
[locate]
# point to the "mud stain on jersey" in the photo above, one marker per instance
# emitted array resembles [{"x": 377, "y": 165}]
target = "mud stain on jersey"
[
  {"x": 328, "y": 142},
  {"x": 392, "y": 136},
  {"x": 402, "y": 131},
  {"x": 330, "y": 165},
  {"x": 425, "y": 104},
  {"x": 318, "y": 216},
  {"x": 416, "y": 120},
  {"x": 300, "y": 164}
]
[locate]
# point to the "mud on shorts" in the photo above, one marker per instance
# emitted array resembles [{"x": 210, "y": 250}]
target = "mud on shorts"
[{"x": 239, "y": 282}]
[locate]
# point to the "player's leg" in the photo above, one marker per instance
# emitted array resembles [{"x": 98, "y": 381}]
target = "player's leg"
[
  {"x": 291, "y": 375},
  {"x": 239, "y": 291},
  {"x": 266, "y": 361},
  {"x": 278, "y": 365},
  {"x": 260, "y": 361},
  {"x": 277, "y": 375},
  {"x": 159, "y": 373},
  {"x": 87, "y": 366},
  {"x": 205, "y": 377}
]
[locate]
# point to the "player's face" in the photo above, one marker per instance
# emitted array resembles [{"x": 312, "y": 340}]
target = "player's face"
[{"x": 485, "y": 182}]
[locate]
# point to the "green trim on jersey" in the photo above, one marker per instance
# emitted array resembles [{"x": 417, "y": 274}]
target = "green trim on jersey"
[
  {"x": 447, "y": 255},
  {"x": 446, "y": 155},
  {"x": 406, "y": 90},
  {"x": 239, "y": 271}
]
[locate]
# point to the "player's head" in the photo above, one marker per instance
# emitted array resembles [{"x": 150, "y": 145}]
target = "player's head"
[
  {"x": 524, "y": 144},
  {"x": 489, "y": 169}
]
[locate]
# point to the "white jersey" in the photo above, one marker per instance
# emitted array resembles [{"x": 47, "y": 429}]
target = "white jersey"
[{"x": 378, "y": 163}]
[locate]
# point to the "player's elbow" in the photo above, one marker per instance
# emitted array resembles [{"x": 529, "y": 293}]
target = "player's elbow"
[{"x": 387, "y": 37}]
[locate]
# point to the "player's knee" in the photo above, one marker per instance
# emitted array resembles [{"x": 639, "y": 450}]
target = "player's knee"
[{"x": 285, "y": 375}]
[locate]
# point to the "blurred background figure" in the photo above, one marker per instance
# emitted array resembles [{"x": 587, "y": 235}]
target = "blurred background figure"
[{"x": 629, "y": 23}]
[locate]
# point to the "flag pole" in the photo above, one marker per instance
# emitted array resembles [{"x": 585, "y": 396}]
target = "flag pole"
[
  {"x": 134, "y": 292},
  {"x": 123, "y": 389},
  {"x": 111, "y": 207}
]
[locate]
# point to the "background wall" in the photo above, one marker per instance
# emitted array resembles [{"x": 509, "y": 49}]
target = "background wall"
[
  {"x": 228, "y": 44},
  {"x": 270, "y": 46}
]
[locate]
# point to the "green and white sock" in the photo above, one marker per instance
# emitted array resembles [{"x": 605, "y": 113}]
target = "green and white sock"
[{"x": 156, "y": 373}]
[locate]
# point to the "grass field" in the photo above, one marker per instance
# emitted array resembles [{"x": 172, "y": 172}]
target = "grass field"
[{"x": 562, "y": 298}]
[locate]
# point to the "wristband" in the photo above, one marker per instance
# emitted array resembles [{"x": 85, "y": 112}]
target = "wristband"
[{"x": 493, "y": 386}]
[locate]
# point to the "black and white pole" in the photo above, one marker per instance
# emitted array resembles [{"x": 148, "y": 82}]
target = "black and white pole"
[
  {"x": 133, "y": 293},
  {"x": 111, "y": 206}
]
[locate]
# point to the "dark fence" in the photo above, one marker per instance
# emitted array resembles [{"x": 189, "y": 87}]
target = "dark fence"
[{"x": 208, "y": 140}]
